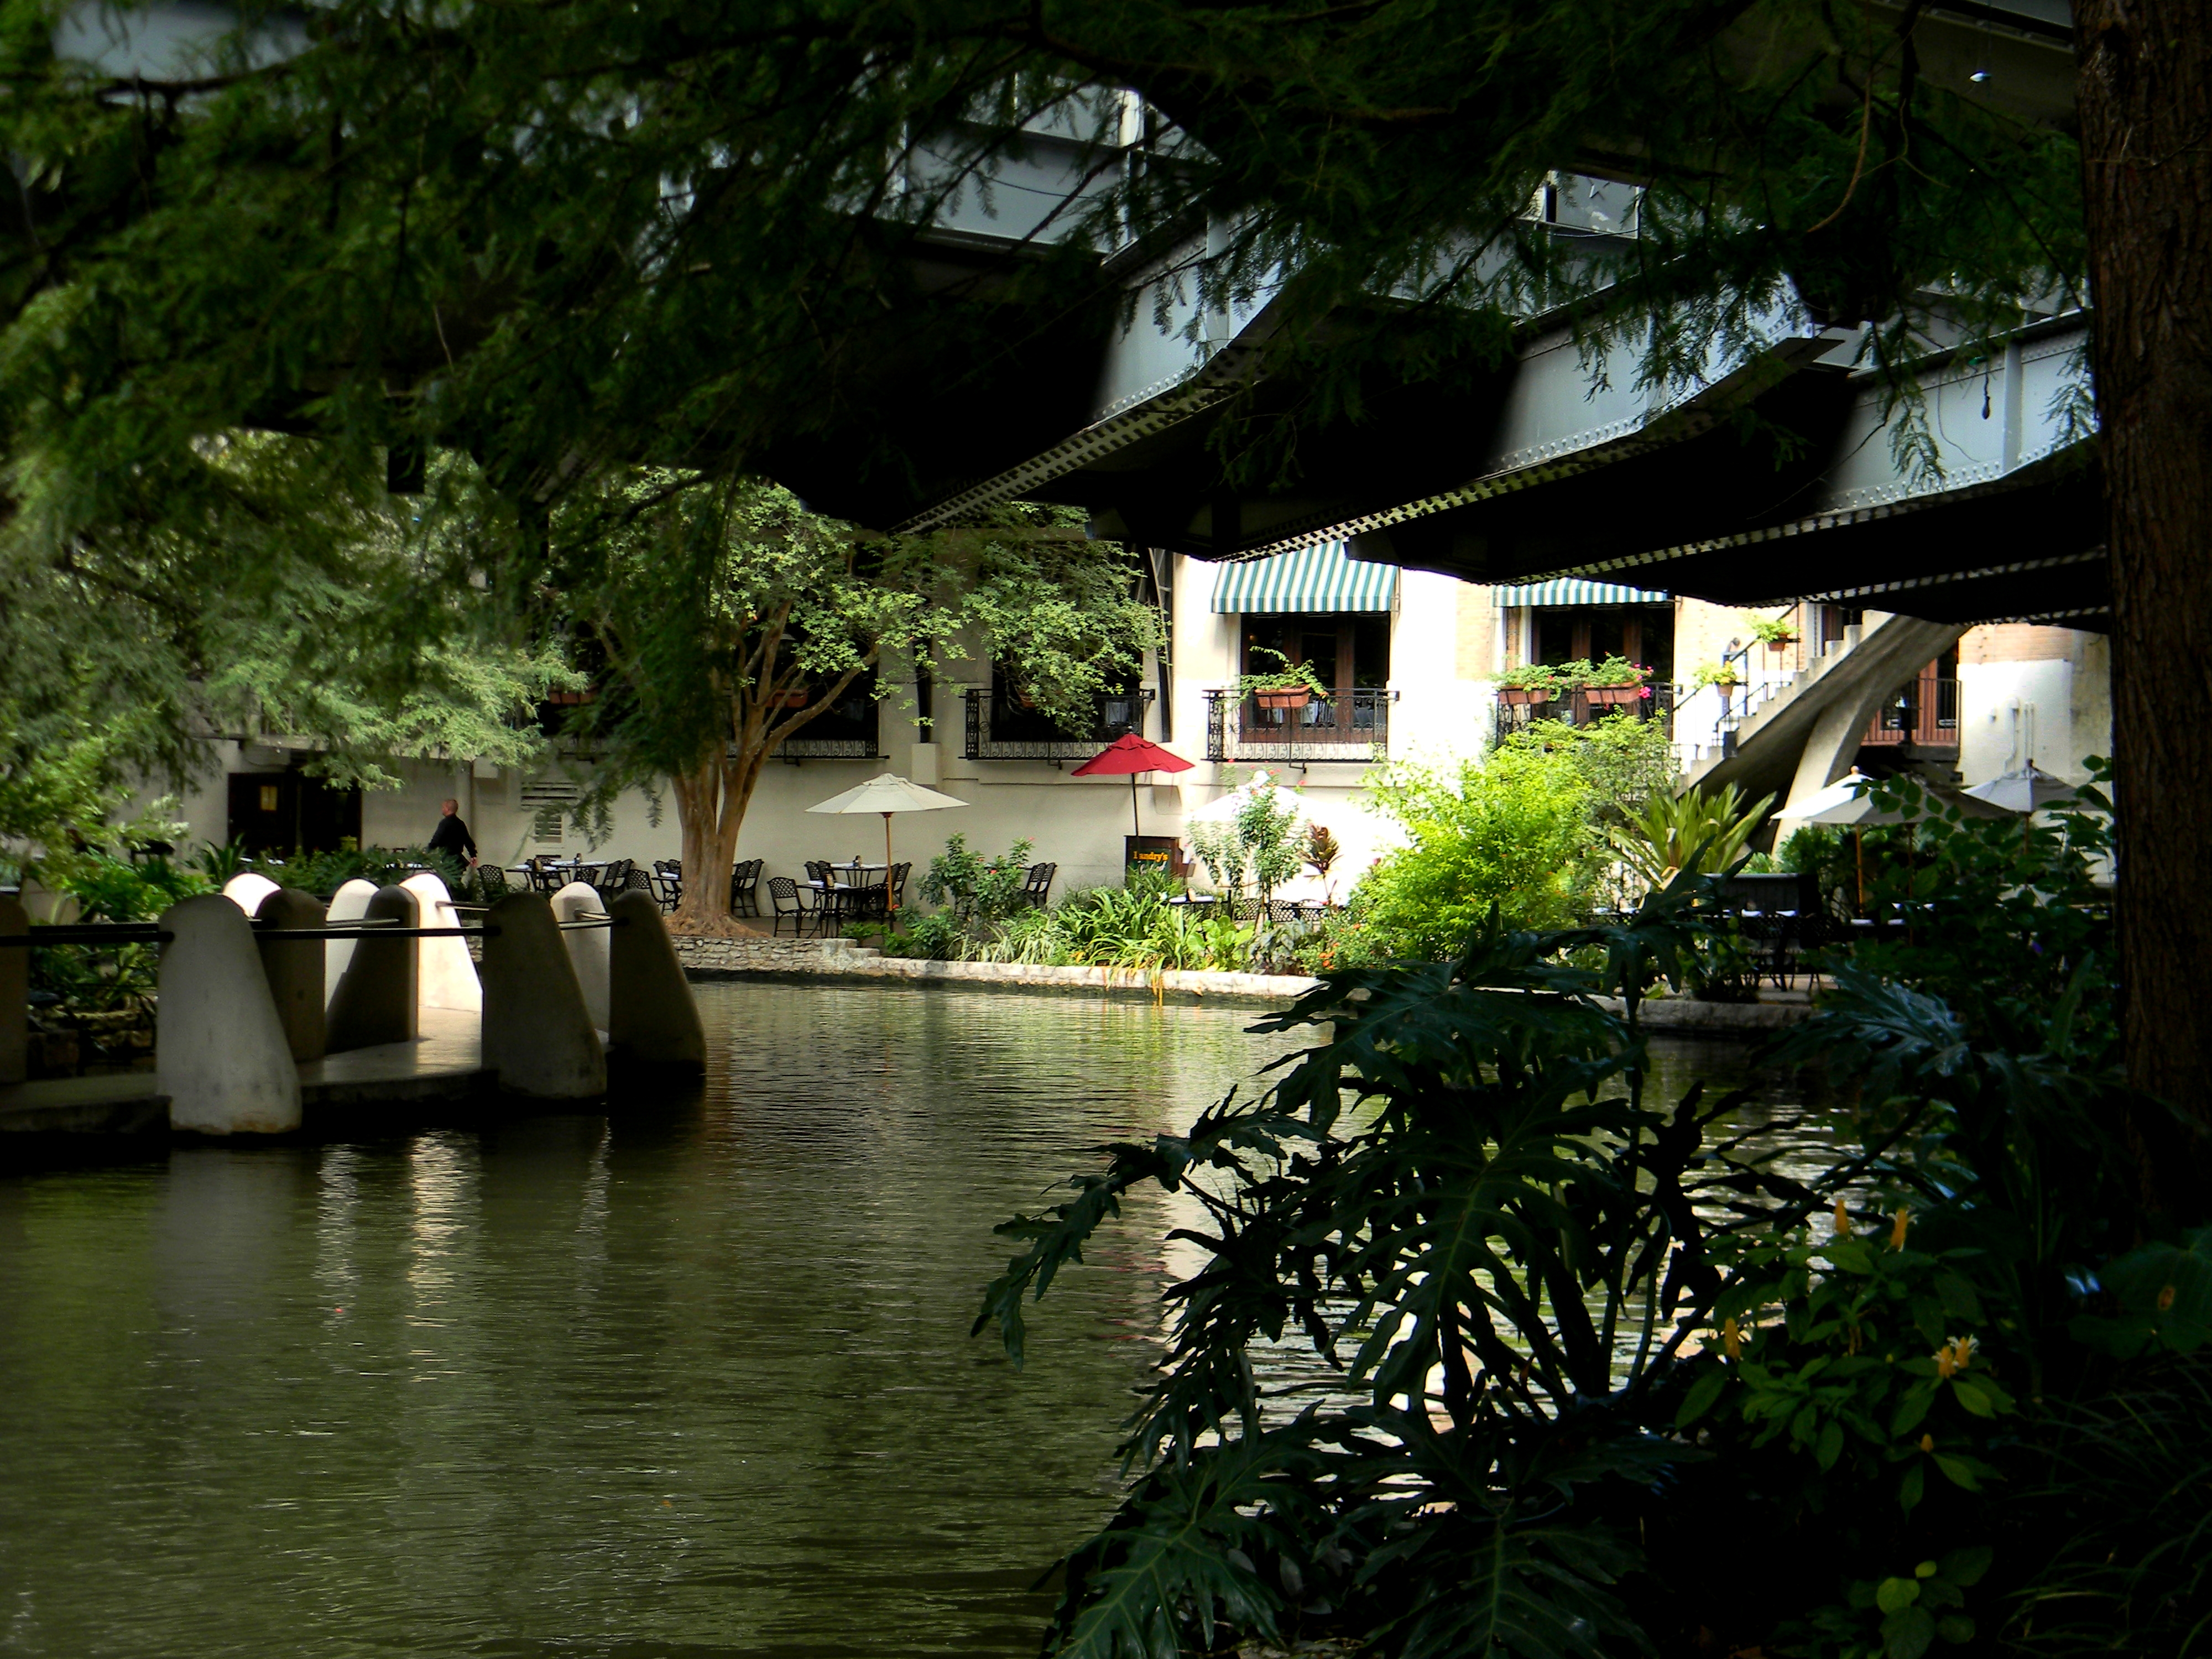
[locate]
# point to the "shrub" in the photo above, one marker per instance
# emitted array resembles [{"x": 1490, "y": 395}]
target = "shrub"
[
  {"x": 1591, "y": 1375},
  {"x": 1512, "y": 832},
  {"x": 976, "y": 888}
]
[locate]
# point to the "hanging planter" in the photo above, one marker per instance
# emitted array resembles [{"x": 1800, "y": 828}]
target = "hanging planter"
[
  {"x": 789, "y": 699},
  {"x": 1289, "y": 688},
  {"x": 1606, "y": 694},
  {"x": 1529, "y": 684}
]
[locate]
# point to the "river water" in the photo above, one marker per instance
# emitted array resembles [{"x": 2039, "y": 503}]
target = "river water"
[{"x": 690, "y": 1382}]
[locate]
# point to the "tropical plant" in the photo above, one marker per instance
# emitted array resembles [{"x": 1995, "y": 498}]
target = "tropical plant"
[
  {"x": 1584, "y": 1381},
  {"x": 1322, "y": 851},
  {"x": 1700, "y": 830},
  {"x": 975, "y": 888}
]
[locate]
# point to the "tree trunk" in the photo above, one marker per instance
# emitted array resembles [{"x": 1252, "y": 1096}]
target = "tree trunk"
[
  {"x": 2146, "y": 120},
  {"x": 711, "y": 799},
  {"x": 710, "y": 809}
]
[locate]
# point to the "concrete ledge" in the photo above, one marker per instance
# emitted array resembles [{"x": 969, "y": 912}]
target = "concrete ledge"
[
  {"x": 748, "y": 959},
  {"x": 1687, "y": 1014}
]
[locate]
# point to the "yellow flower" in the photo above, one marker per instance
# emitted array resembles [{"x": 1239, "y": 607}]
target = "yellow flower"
[
  {"x": 1928, "y": 1442},
  {"x": 1731, "y": 1339},
  {"x": 1843, "y": 1220},
  {"x": 1954, "y": 1356},
  {"x": 2165, "y": 1298},
  {"x": 1897, "y": 1231}
]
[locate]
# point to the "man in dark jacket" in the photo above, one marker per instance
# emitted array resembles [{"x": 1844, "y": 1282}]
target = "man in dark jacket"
[{"x": 451, "y": 836}]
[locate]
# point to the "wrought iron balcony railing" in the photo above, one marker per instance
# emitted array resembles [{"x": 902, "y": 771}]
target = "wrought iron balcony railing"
[
  {"x": 1001, "y": 729},
  {"x": 1924, "y": 714},
  {"x": 1342, "y": 725}
]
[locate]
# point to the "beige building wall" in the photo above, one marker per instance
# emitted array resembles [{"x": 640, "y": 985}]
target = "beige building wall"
[{"x": 2028, "y": 691}]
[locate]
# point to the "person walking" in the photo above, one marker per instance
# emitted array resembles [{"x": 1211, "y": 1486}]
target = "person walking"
[{"x": 451, "y": 836}]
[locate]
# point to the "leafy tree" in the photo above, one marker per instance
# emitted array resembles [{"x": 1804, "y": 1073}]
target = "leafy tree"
[
  {"x": 728, "y": 618},
  {"x": 585, "y": 234}
]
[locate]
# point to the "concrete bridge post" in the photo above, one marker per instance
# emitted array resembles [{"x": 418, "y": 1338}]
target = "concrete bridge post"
[
  {"x": 538, "y": 1037},
  {"x": 376, "y": 1001},
  {"x": 294, "y": 969},
  {"x": 349, "y": 903},
  {"x": 653, "y": 1017},
  {"x": 221, "y": 1051},
  {"x": 588, "y": 946}
]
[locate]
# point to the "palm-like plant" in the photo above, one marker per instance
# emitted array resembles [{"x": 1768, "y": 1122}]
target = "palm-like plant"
[{"x": 1701, "y": 830}]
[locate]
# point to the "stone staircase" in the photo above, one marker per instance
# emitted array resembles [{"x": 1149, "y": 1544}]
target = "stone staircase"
[{"x": 1791, "y": 734}]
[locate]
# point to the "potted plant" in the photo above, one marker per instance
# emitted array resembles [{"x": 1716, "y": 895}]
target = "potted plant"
[
  {"x": 796, "y": 697},
  {"x": 1616, "y": 680},
  {"x": 1292, "y": 686},
  {"x": 1528, "y": 683},
  {"x": 1723, "y": 676},
  {"x": 1774, "y": 633}
]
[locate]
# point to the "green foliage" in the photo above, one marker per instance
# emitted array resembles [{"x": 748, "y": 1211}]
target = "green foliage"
[
  {"x": 1594, "y": 1374},
  {"x": 1511, "y": 832},
  {"x": 1772, "y": 630},
  {"x": 1781, "y": 151},
  {"x": 1533, "y": 677},
  {"x": 1722, "y": 673},
  {"x": 2008, "y": 923},
  {"x": 977, "y": 889},
  {"x": 1700, "y": 830},
  {"x": 116, "y": 978},
  {"x": 1259, "y": 844},
  {"x": 1622, "y": 760},
  {"x": 1290, "y": 676}
]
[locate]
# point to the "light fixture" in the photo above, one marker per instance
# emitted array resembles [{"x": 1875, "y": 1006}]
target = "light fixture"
[{"x": 1978, "y": 77}]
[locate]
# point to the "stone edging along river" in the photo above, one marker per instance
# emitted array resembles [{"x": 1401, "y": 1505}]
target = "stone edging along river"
[{"x": 809, "y": 958}]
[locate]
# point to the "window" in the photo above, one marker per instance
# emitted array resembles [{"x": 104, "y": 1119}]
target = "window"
[
  {"x": 1347, "y": 651},
  {"x": 1642, "y": 633}
]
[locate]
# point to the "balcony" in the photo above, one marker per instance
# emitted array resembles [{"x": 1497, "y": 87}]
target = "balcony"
[
  {"x": 1000, "y": 727},
  {"x": 1578, "y": 707},
  {"x": 1924, "y": 714},
  {"x": 1345, "y": 726},
  {"x": 846, "y": 731}
]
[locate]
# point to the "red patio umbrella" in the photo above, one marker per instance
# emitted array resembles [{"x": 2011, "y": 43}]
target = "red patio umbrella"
[{"x": 1132, "y": 754}]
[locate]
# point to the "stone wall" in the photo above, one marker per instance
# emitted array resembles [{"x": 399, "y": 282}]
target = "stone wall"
[{"x": 730, "y": 958}]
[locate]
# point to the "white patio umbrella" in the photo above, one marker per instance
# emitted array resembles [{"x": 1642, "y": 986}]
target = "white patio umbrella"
[
  {"x": 2026, "y": 790},
  {"x": 888, "y": 793},
  {"x": 1857, "y": 809}
]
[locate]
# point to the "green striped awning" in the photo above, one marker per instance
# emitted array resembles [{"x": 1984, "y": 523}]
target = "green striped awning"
[
  {"x": 1320, "y": 578},
  {"x": 1570, "y": 592}
]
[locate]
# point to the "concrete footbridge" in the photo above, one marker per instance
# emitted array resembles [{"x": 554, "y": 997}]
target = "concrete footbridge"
[{"x": 273, "y": 1008}]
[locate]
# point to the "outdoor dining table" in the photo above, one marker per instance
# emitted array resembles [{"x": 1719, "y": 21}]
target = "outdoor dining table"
[
  {"x": 852, "y": 889},
  {"x": 572, "y": 871}
]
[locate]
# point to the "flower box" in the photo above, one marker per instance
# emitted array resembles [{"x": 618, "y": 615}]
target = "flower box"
[
  {"x": 1296, "y": 697},
  {"x": 1520, "y": 695},
  {"x": 1613, "y": 694}
]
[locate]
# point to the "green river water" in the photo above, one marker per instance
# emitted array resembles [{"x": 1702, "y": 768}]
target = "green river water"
[{"x": 690, "y": 1382}]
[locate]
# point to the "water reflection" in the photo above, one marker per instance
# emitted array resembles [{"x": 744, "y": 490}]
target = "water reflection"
[{"x": 694, "y": 1382}]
